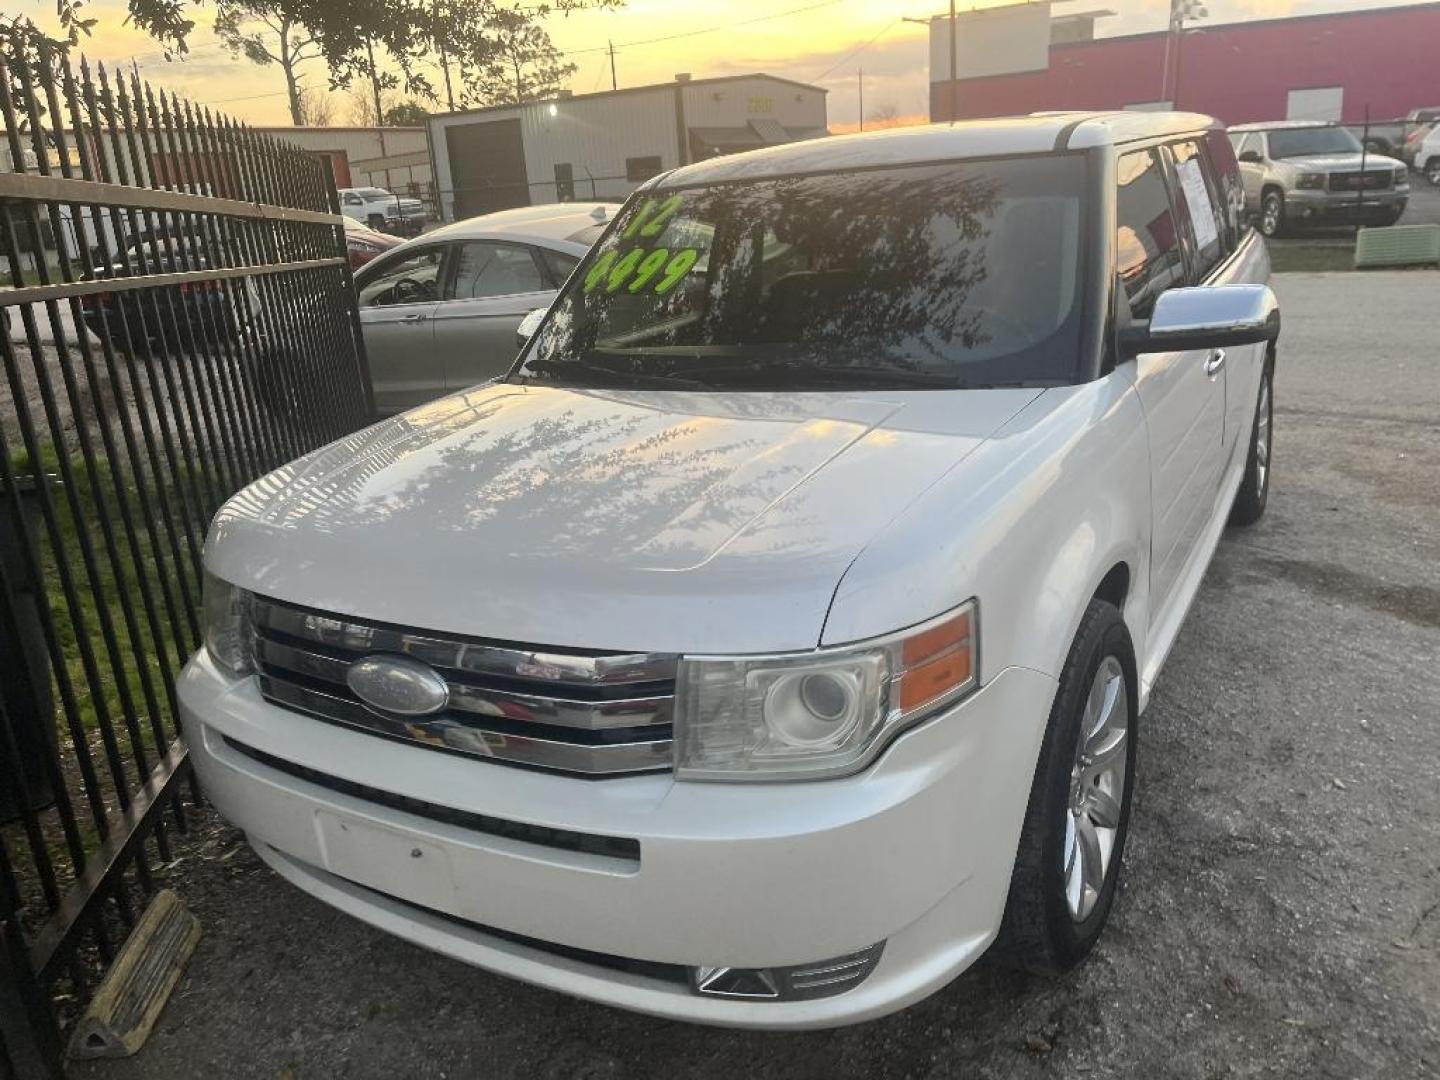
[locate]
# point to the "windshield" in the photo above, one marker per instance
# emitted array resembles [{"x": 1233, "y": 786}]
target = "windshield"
[
  {"x": 1303, "y": 142},
  {"x": 959, "y": 274}
]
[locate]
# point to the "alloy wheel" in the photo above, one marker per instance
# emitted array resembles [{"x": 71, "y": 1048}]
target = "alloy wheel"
[
  {"x": 1433, "y": 171},
  {"x": 1270, "y": 215},
  {"x": 1097, "y": 789}
]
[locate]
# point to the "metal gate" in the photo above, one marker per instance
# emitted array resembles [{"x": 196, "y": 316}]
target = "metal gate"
[{"x": 179, "y": 320}]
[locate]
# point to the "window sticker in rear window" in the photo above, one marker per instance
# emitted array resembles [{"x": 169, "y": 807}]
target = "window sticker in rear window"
[{"x": 1197, "y": 200}]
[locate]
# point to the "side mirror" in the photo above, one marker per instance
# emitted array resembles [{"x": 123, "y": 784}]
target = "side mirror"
[
  {"x": 1251, "y": 157},
  {"x": 528, "y": 325},
  {"x": 1206, "y": 317}
]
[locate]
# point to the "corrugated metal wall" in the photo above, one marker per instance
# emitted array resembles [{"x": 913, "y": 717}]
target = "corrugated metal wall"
[
  {"x": 597, "y": 134},
  {"x": 1386, "y": 59}
]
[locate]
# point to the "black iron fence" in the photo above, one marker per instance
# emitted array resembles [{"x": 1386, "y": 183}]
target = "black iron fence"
[{"x": 179, "y": 320}]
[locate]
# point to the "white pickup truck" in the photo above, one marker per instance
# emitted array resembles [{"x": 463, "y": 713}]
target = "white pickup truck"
[{"x": 770, "y": 642}]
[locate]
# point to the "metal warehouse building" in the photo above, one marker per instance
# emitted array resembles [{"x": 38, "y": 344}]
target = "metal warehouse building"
[
  {"x": 603, "y": 145},
  {"x": 1310, "y": 67}
]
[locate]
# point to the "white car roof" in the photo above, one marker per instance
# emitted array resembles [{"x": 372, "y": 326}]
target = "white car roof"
[
  {"x": 1040, "y": 133},
  {"x": 549, "y": 223},
  {"x": 1282, "y": 125}
]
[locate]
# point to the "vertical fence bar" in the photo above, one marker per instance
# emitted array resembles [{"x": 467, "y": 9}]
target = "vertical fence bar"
[{"x": 125, "y": 425}]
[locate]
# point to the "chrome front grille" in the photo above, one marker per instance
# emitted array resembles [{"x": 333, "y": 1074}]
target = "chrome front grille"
[
  {"x": 1370, "y": 180},
  {"x": 586, "y": 714}
]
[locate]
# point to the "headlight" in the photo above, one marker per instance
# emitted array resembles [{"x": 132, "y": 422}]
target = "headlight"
[
  {"x": 1402, "y": 176},
  {"x": 227, "y": 626},
  {"x": 818, "y": 714},
  {"x": 1310, "y": 181}
]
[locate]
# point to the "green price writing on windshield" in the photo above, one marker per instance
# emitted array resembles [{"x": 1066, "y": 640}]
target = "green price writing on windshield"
[
  {"x": 638, "y": 270},
  {"x": 649, "y": 226}
]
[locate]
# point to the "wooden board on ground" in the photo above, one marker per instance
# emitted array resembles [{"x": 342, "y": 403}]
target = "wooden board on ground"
[{"x": 124, "y": 1011}]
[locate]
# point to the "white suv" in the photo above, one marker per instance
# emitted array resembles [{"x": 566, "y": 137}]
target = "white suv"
[{"x": 770, "y": 642}]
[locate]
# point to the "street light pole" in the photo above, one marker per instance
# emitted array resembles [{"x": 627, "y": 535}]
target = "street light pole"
[{"x": 1180, "y": 10}]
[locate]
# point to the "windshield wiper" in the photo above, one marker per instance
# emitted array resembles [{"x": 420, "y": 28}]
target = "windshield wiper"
[
  {"x": 803, "y": 376},
  {"x": 607, "y": 377}
]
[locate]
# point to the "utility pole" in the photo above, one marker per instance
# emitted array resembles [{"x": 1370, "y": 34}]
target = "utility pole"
[
  {"x": 1180, "y": 10},
  {"x": 860, "y": 80},
  {"x": 614, "y": 82},
  {"x": 954, "y": 69}
]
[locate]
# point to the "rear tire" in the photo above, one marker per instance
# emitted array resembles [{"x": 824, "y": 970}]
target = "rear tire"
[
  {"x": 1068, "y": 862},
  {"x": 1254, "y": 493}
]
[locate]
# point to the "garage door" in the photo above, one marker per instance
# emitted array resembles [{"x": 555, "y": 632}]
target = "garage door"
[
  {"x": 1316, "y": 103},
  {"x": 487, "y": 167}
]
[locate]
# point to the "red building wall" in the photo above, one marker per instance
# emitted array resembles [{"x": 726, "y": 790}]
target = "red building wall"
[{"x": 1386, "y": 59}]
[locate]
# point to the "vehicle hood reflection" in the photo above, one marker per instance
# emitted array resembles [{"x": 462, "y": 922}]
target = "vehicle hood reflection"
[{"x": 669, "y": 521}]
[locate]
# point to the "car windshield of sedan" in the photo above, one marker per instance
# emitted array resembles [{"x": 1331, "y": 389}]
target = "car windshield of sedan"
[
  {"x": 1303, "y": 142},
  {"x": 962, "y": 274}
]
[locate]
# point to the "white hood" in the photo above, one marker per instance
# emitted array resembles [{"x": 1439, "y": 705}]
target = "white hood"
[{"x": 665, "y": 521}]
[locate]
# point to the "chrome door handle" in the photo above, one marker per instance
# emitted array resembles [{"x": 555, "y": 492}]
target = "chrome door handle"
[
  {"x": 418, "y": 317},
  {"x": 1215, "y": 363}
]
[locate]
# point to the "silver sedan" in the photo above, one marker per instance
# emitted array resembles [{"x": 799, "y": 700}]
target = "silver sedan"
[{"x": 439, "y": 313}]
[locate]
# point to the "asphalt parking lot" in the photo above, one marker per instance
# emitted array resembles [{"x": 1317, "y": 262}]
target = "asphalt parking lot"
[{"x": 1281, "y": 908}]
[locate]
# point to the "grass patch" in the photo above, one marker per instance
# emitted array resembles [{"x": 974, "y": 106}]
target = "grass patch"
[
  {"x": 147, "y": 652},
  {"x": 1311, "y": 257}
]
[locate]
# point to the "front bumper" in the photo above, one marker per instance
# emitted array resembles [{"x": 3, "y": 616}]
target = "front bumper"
[
  {"x": 1341, "y": 207},
  {"x": 916, "y": 853}
]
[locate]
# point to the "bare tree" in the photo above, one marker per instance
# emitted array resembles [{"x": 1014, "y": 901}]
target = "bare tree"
[
  {"x": 317, "y": 107},
  {"x": 884, "y": 115},
  {"x": 361, "y": 110}
]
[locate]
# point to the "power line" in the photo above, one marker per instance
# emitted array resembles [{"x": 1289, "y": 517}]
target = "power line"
[{"x": 851, "y": 56}]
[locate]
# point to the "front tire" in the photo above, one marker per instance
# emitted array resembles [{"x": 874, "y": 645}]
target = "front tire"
[
  {"x": 1432, "y": 171},
  {"x": 1272, "y": 214},
  {"x": 1068, "y": 862},
  {"x": 1254, "y": 491}
]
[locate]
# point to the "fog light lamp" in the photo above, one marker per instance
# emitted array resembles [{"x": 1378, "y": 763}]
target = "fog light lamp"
[{"x": 799, "y": 982}]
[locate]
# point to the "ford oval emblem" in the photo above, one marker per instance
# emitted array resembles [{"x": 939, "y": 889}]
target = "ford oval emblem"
[{"x": 397, "y": 685}]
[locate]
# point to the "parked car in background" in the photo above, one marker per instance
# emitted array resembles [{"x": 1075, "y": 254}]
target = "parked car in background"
[
  {"x": 1427, "y": 155},
  {"x": 383, "y": 211},
  {"x": 1413, "y": 140},
  {"x": 770, "y": 643},
  {"x": 439, "y": 312},
  {"x": 363, "y": 243},
  {"x": 168, "y": 318},
  {"x": 1299, "y": 172},
  {"x": 1390, "y": 137}
]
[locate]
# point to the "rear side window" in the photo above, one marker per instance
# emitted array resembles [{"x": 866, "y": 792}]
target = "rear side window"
[
  {"x": 1200, "y": 207},
  {"x": 1147, "y": 241},
  {"x": 485, "y": 269},
  {"x": 1229, "y": 187},
  {"x": 1250, "y": 143},
  {"x": 559, "y": 264}
]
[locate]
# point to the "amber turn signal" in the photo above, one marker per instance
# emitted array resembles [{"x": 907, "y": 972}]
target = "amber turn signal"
[{"x": 937, "y": 661}]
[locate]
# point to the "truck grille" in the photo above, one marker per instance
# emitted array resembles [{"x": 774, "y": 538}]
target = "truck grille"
[
  {"x": 1371, "y": 180},
  {"x": 583, "y": 714}
]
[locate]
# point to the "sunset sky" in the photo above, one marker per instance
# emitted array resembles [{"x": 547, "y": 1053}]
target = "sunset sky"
[{"x": 825, "y": 43}]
